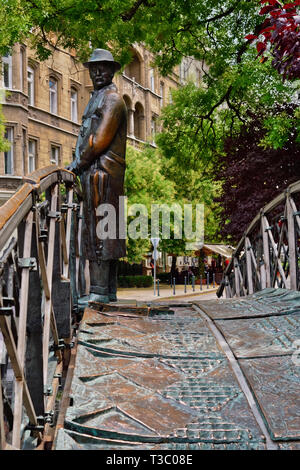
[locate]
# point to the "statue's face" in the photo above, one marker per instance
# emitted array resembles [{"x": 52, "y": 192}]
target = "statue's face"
[{"x": 101, "y": 74}]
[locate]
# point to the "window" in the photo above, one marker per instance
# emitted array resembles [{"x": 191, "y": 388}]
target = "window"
[
  {"x": 153, "y": 129},
  {"x": 170, "y": 96},
  {"x": 133, "y": 70},
  {"x": 152, "y": 83},
  {"x": 53, "y": 95},
  {"x": 54, "y": 157},
  {"x": 31, "y": 155},
  {"x": 7, "y": 71},
  {"x": 24, "y": 150},
  {"x": 9, "y": 154},
  {"x": 30, "y": 84},
  {"x": 74, "y": 100},
  {"x": 22, "y": 62},
  {"x": 162, "y": 94}
]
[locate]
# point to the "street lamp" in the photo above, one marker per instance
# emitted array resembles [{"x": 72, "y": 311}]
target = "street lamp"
[{"x": 155, "y": 242}]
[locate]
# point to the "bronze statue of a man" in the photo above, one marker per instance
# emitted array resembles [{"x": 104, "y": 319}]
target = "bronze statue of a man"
[{"x": 100, "y": 162}]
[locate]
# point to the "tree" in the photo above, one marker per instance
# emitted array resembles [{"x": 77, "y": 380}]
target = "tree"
[
  {"x": 281, "y": 31},
  {"x": 152, "y": 179},
  {"x": 144, "y": 184},
  {"x": 253, "y": 174},
  {"x": 234, "y": 86},
  {"x": 4, "y": 144},
  {"x": 171, "y": 29}
]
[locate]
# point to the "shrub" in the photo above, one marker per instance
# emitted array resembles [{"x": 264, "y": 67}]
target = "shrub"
[
  {"x": 164, "y": 277},
  {"x": 135, "y": 281}
]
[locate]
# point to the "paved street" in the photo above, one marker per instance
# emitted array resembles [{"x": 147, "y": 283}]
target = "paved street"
[
  {"x": 166, "y": 293},
  {"x": 218, "y": 374}
]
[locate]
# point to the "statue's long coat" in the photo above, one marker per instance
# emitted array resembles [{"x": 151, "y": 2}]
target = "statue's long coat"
[{"x": 103, "y": 180}]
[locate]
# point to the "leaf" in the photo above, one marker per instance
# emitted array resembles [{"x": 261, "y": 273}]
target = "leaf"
[
  {"x": 271, "y": 2},
  {"x": 260, "y": 46},
  {"x": 275, "y": 13},
  {"x": 266, "y": 10},
  {"x": 250, "y": 37},
  {"x": 290, "y": 5}
]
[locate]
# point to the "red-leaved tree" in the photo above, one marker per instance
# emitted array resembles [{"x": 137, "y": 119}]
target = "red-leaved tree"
[
  {"x": 281, "y": 32},
  {"x": 252, "y": 176}
]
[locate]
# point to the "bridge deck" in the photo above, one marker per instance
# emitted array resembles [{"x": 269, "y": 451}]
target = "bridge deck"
[{"x": 174, "y": 378}]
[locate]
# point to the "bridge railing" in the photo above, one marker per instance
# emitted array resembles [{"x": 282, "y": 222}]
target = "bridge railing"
[
  {"x": 268, "y": 254},
  {"x": 40, "y": 281}
]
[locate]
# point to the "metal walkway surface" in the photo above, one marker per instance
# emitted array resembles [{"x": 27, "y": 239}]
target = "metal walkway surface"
[{"x": 218, "y": 374}]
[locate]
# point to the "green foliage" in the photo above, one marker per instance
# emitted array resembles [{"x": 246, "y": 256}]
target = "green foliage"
[
  {"x": 164, "y": 277},
  {"x": 235, "y": 87},
  {"x": 4, "y": 144},
  {"x": 278, "y": 131},
  {"x": 152, "y": 178},
  {"x": 144, "y": 184}
]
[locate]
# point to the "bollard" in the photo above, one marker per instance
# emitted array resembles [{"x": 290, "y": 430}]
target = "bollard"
[
  {"x": 214, "y": 285},
  {"x": 158, "y": 287},
  {"x": 174, "y": 288},
  {"x": 193, "y": 283},
  {"x": 185, "y": 284},
  {"x": 207, "y": 280},
  {"x": 200, "y": 282}
]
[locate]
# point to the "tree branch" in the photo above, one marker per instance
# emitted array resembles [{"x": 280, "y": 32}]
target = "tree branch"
[
  {"x": 129, "y": 14},
  {"x": 220, "y": 15}
]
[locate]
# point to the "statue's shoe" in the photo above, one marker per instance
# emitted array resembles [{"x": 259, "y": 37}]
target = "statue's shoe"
[
  {"x": 99, "y": 298},
  {"x": 112, "y": 297}
]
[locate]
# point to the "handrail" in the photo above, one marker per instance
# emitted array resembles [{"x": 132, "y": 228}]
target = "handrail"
[
  {"x": 40, "y": 283},
  {"x": 268, "y": 254}
]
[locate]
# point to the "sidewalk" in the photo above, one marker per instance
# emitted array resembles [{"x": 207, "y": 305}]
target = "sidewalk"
[{"x": 165, "y": 292}]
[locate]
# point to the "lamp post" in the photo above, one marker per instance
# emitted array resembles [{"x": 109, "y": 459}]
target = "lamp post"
[{"x": 155, "y": 242}]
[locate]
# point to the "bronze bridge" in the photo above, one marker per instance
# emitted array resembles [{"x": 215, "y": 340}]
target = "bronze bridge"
[
  {"x": 214, "y": 374},
  {"x": 268, "y": 255}
]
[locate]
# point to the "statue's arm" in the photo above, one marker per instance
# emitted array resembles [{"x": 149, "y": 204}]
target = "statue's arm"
[{"x": 112, "y": 113}]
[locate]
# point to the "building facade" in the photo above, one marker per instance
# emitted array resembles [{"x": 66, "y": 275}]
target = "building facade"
[{"x": 43, "y": 102}]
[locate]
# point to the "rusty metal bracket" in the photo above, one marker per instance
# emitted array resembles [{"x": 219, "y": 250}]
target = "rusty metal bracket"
[
  {"x": 54, "y": 214},
  {"x": 64, "y": 207},
  {"x": 39, "y": 427},
  {"x": 43, "y": 237},
  {"x": 27, "y": 263},
  {"x": 76, "y": 207},
  {"x": 59, "y": 377},
  {"x": 61, "y": 345},
  {"x": 47, "y": 418},
  {"x": 6, "y": 311},
  {"x": 8, "y": 301},
  {"x": 48, "y": 391}
]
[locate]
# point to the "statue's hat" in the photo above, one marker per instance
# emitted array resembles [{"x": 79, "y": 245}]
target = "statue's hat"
[{"x": 102, "y": 55}]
